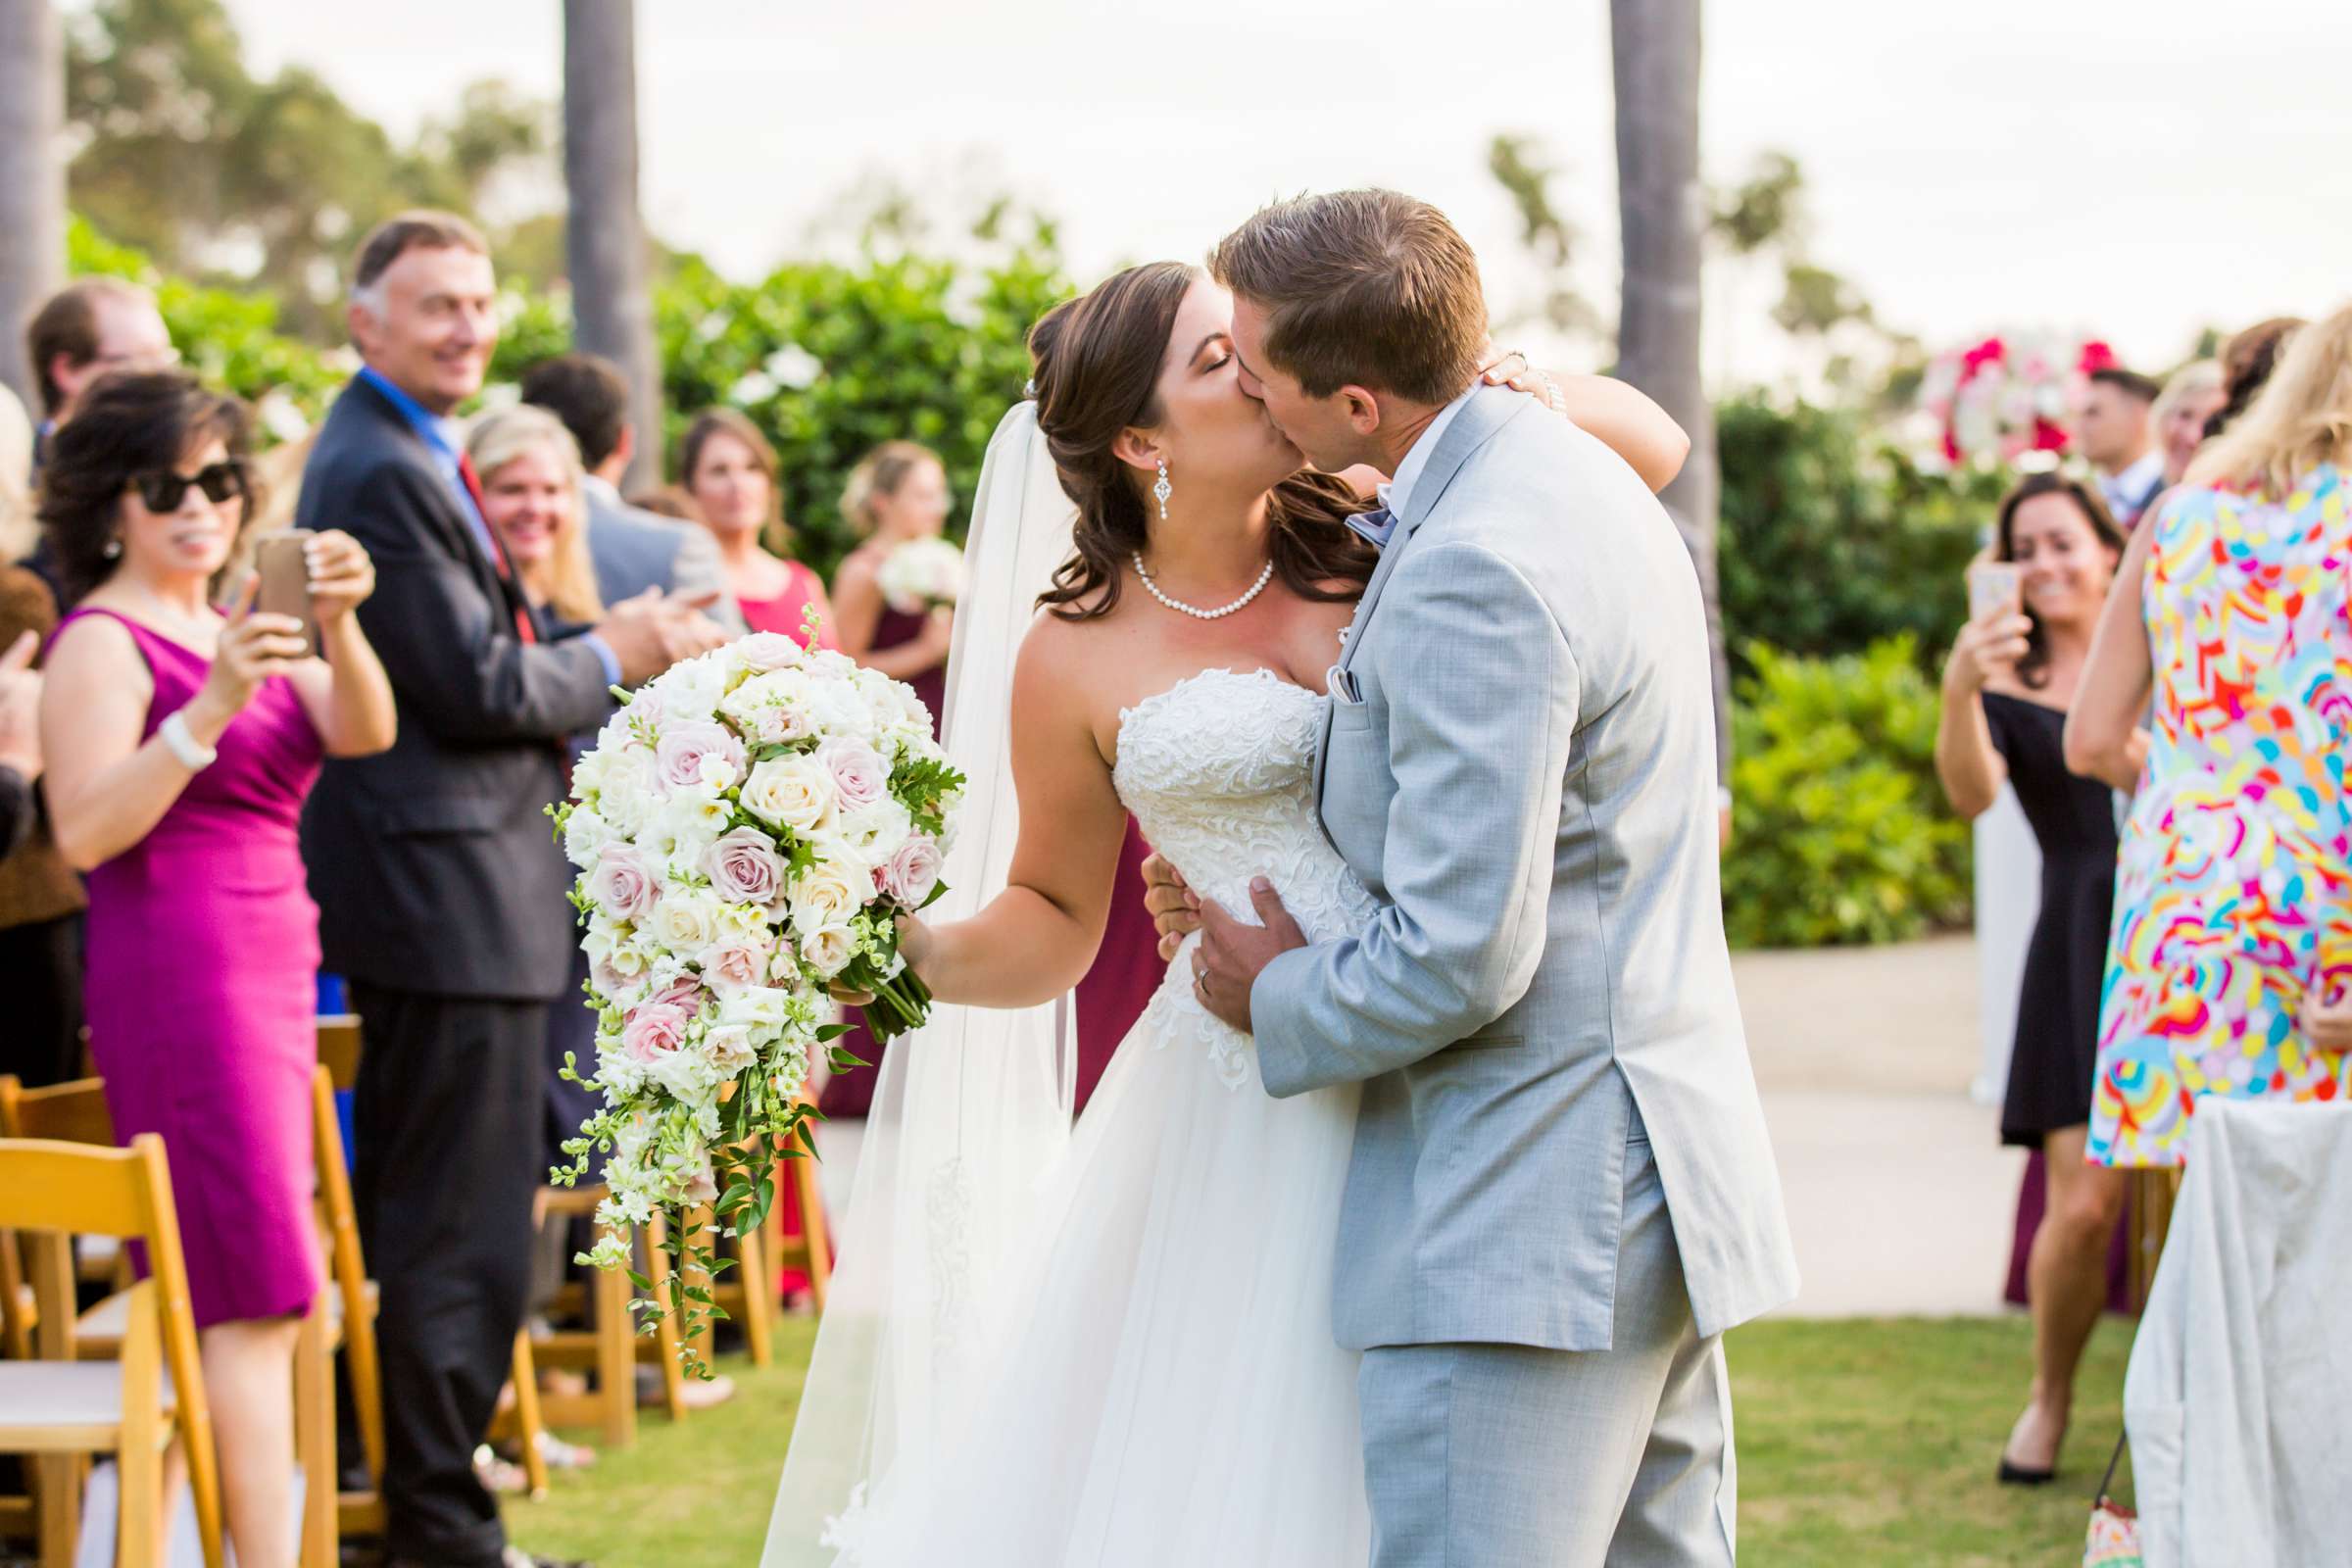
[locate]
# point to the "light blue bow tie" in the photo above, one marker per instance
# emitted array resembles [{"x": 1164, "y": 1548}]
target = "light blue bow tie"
[{"x": 1375, "y": 526}]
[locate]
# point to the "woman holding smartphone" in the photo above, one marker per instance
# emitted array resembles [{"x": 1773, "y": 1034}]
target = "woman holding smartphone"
[
  {"x": 2007, "y": 687},
  {"x": 180, "y": 744}
]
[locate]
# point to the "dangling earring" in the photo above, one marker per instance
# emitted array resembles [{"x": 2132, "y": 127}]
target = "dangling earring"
[
  {"x": 113, "y": 548},
  {"x": 1162, "y": 490}
]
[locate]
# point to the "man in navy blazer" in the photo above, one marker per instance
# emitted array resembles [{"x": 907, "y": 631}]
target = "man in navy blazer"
[{"x": 435, "y": 872}]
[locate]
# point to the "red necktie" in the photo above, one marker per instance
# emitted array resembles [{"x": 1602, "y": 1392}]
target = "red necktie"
[{"x": 523, "y": 628}]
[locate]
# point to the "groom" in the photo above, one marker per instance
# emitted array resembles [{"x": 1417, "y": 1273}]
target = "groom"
[{"x": 1562, "y": 1193}]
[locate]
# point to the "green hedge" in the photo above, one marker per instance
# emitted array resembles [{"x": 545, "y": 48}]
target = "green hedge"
[
  {"x": 1839, "y": 830},
  {"x": 831, "y": 359},
  {"x": 1831, "y": 540}
]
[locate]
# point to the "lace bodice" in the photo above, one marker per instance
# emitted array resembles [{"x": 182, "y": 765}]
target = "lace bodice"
[{"x": 1219, "y": 770}]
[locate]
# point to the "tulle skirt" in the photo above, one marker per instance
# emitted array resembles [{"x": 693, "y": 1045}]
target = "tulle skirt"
[{"x": 1164, "y": 1388}]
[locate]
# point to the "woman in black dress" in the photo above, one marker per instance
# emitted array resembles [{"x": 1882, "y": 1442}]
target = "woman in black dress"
[{"x": 2010, "y": 680}]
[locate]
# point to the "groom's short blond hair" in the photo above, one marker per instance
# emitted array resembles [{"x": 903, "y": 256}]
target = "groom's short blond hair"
[{"x": 1361, "y": 288}]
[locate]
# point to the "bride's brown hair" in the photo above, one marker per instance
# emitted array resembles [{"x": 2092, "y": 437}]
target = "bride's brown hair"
[{"x": 1098, "y": 360}]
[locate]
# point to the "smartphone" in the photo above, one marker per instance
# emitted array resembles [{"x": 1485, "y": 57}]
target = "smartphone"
[
  {"x": 285, "y": 587},
  {"x": 1994, "y": 585}
]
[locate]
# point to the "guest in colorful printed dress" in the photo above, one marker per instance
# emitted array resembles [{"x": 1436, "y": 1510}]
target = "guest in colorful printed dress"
[
  {"x": 180, "y": 744},
  {"x": 2233, "y": 906},
  {"x": 730, "y": 472},
  {"x": 2012, "y": 674}
]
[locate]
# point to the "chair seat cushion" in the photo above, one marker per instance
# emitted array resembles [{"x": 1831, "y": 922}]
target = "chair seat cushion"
[{"x": 63, "y": 1407}]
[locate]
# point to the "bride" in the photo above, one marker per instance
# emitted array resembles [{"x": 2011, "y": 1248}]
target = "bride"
[{"x": 1111, "y": 1344}]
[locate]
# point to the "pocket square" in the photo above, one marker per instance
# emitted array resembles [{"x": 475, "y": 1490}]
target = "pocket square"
[{"x": 1342, "y": 687}]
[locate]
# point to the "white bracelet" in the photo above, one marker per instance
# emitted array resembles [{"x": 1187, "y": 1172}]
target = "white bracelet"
[{"x": 193, "y": 754}]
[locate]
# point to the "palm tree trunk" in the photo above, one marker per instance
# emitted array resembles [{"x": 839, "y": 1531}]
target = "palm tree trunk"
[
  {"x": 604, "y": 234},
  {"x": 1655, "y": 44},
  {"x": 32, "y": 179}
]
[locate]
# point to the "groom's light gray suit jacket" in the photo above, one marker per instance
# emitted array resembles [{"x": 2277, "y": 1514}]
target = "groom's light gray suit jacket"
[{"x": 1520, "y": 765}]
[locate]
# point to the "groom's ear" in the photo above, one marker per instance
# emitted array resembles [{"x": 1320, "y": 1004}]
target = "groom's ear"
[
  {"x": 1135, "y": 449},
  {"x": 1362, "y": 408}
]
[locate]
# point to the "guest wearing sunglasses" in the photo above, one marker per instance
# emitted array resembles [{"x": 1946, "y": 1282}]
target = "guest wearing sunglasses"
[{"x": 180, "y": 744}]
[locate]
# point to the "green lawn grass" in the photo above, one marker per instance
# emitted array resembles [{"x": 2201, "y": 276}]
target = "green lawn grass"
[{"x": 1860, "y": 1443}]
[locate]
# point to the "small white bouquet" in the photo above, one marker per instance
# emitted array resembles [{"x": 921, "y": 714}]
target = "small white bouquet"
[
  {"x": 922, "y": 574},
  {"x": 748, "y": 829}
]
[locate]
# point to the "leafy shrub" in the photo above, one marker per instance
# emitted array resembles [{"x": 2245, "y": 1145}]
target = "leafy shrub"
[
  {"x": 1831, "y": 540},
  {"x": 1839, "y": 829},
  {"x": 231, "y": 339}
]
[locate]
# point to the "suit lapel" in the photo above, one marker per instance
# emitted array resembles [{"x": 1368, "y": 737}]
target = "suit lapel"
[
  {"x": 456, "y": 534},
  {"x": 1487, "y": 410}
]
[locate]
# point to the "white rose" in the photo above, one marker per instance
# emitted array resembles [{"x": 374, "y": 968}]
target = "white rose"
[
  {"x": 628, "y": 798},
  {"x": 795, "y": 793},
  {"x": 687, "y": 919},
  {"x": 691, "y": 690},
  {"x": 584, "y": 833},
  {"x": 766, "y": 650},
  {"x": 825, "y": 895},
  {"x": 830, "y": 948},
  {"x": 877, "y": 832},
  {"x": 730, "y": 1048}
]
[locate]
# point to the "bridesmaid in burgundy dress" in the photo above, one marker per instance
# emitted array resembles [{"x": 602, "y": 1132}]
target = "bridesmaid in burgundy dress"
[
  {"x": 730, "y": 472},
  {"x": 180, "y": 744}
]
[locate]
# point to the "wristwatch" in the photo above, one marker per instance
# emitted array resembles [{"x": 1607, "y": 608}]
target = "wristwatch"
[{"x": 193, "y": 754}]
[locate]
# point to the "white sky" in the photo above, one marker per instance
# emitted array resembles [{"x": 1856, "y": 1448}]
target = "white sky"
[{"x": 2132, "y": 167}]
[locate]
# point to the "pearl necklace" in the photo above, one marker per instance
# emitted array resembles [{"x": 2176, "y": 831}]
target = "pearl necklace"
[{"x": 1264, "y": 577}]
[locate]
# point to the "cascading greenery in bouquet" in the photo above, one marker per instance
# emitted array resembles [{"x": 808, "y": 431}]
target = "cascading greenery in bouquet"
[{"x": 748, "y": 829}]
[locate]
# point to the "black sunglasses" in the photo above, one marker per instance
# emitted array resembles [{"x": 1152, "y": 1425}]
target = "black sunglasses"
[{"x": 164, "y": 490}]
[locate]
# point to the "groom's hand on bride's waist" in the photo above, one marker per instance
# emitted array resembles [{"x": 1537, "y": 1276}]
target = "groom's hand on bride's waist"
[
  {"x": 1175, "y": 908},
  {"x": 1232, "y": 956}
]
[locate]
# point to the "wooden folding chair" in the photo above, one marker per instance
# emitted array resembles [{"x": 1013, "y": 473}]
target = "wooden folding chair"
[
  {"x": 363, "y": 1512},
  {"x": 63, "y": 1411},
  {"x": 610, "y": 1348},
  {"x": 76, "y": 1112},
  {"x": 810, "y": 1252}
]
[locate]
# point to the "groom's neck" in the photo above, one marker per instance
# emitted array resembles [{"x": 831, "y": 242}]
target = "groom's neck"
[{"x": 1402, "y": 424}]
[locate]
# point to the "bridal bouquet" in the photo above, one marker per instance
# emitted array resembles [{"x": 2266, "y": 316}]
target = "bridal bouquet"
[
  {"x": 922, "y": 574},
  {"x": 748, "y": 829}
]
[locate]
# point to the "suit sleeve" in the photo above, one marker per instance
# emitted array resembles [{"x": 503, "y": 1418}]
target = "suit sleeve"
[
  {"x": 16, "y": 811},
  {"x": 459, "y": 670},
  {"x": 1482, "y": 694},
  {"x": 698, "y": 569}
]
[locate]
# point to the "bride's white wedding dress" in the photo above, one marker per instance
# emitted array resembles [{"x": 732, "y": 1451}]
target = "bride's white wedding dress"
[{"x": 1163, "y": 1386}]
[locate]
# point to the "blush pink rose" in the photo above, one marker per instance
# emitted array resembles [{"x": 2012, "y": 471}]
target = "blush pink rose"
[
  {"x": 680, "y": 755},
  {"x": 859, "y": 775},
  {"x": 910, "y": 874},
  {"x": 685, "y": 993},
  {"x": 652, "y": 1031},
  {"x": 623, "y": 884},
  {"x": 768, "y": 650},
  {"x": 744, "y": 867},
  {"x": 734, "y": 965}
]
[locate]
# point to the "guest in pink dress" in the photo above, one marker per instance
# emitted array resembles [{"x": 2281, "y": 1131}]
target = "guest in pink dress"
[
  {"x": 180, "y": 743},
  {"x": 730, "y": 472}
]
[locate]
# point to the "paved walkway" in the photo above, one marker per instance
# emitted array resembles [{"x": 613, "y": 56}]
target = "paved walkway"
[{"x": 1899, "y": 1193}]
